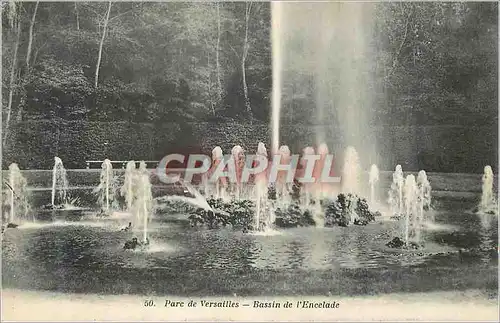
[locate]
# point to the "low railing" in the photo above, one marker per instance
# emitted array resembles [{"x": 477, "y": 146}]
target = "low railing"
[{"x": 122, "y": 163}]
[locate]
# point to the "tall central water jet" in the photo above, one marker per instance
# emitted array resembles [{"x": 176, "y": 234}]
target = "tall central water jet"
[
  {"x": 277, "y": 61},
  {"x": 322, "y": 57},
  {"x": 351, "y": 171}
]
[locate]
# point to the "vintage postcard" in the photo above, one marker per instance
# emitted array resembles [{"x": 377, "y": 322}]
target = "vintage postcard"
[{"x": 249, "y": 161}]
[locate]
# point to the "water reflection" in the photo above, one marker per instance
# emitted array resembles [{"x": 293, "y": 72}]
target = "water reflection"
[
  {"x": 320, "y": 249},
  {"x": 488, "y": 238},
  {"x": 295, "y": 253},
  {"x": 350, "y": 241},
  {"x": 73, "y": 243}
]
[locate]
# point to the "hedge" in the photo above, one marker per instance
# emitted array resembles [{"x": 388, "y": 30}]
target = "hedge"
[{"x": 33, "y": 144}]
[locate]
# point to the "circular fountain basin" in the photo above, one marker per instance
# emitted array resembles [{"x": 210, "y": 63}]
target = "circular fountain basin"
[{"x": 85, "y": 254}]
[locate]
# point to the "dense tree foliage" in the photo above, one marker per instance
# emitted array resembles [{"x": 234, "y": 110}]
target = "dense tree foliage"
[
  {"x": 437, "y": 62},
  {"x": 185, "y": 62},
  {"x": 158, "y": 60}
]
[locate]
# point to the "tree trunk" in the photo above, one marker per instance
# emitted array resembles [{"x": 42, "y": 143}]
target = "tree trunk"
[
  {"x": 27, "y": 73},
  {"x": 99, "y": 57},
  {"x": 244, "y": 57},
  {"x": 217, "y": 57},
  {"x": 77, "y": 17},
  {"x": 209, "y": 78},
  {"x": 30, "y": 40},
  {"x": 12, "y": 81}
]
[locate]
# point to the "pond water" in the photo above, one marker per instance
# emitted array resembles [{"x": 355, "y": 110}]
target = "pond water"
[{"x": 74, "y": 251}]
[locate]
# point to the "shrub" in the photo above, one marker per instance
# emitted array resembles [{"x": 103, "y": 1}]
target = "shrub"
[
  {"x": 347, "y": 206},
  {"x": 237, "y": 213},
  {"x": 271, "y": 193},
  {"x": 346, "y": 209},
  {"x": 293, "y": 216}
]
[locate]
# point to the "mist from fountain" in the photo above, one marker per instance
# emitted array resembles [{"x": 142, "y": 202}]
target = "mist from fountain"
[
  {"x": 127, "y": 190},
  {"x": 330, "y": 68},
  {"x": 106, "y": 191},
  {"x": 59, "y": 183},
  {"x": 17, "y": 199},
  {"x": 318, "y": 190},
  {"x": 488, "y": 203},
  {"x": 351, "y": 172},
  {"x": 396, "y": 192},
  {"x": 322, "y": 51},
  {"x": 372, "y": 180}
]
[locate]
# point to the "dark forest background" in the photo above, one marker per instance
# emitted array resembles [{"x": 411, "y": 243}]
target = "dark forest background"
[{"x": 95, "y": 80}]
